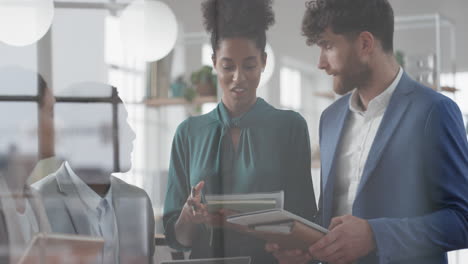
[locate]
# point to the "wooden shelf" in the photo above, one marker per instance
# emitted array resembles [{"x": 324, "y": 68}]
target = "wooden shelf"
[
  {"x": 157, "y": 102},
  {"x": 449, "y": 89}
]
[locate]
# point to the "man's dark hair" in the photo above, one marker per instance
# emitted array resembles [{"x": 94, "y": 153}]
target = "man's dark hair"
[
  {"x": 238, "y": 18},
  {"x": 349, "y": 18}
]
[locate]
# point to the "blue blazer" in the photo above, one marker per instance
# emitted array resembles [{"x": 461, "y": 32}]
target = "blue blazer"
[{"x": 414, "y": 187}]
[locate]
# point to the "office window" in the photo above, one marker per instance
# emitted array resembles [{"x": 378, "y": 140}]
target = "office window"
[
  {"x": 84, "y": 128},
  {"x": 290, "y": 88},
  {"x": 78, "y": 47},
  {"x": 24, "y": 114},
  {"x": 459, "y": 81},
  {"x": 208, "y": 107},
  {"x": 207, "y": 51},
  {"x": 19, "y": 141}
]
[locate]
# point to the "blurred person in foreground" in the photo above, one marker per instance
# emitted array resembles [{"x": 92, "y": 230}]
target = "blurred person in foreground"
[{"x": 82, "y": 197}]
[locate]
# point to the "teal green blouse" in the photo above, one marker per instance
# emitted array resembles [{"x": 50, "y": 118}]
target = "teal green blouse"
[{"x": 273, "y": 154}]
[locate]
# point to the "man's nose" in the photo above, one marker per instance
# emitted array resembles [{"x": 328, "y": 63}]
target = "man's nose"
[{"x": 322, "y": 64}]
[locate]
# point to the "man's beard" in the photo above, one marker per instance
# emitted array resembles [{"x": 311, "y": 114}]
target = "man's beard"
[{"x": 355, "y": 74}]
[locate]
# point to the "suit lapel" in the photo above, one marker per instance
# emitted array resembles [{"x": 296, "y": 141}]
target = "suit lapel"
[
  {"x": 332, "y": 130},
  {"x": 72, "y": 201},
  {"x": 39, "y": 211},
  {"x": 396, "y": 109}
]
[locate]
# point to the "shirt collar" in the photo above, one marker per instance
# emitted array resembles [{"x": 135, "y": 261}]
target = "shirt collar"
[
  {"x": 379, "y": 103},
  {"x": 222, "y": 114},
  {"x": 89, "y": 197}
]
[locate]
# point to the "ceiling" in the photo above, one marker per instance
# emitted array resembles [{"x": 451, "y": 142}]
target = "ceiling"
[{"x": 286, "y": 39}]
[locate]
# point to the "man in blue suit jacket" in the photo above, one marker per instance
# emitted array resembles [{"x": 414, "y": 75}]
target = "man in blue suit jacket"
[{"x": 394, "y": 155}]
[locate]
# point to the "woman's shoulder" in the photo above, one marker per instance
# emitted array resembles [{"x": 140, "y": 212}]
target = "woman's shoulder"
[
  {"x": 196, "y": 123},
  {"x": 283, "y": 116}
]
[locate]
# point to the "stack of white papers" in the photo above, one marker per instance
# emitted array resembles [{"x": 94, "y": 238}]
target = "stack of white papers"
[{"x": 244, "y": 203}]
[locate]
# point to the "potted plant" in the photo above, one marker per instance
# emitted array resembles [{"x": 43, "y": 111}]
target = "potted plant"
[
  {"x": 190, "y": 94},
  {"x": 178, "y": 87},
  {"x": 204, "y": 81}
]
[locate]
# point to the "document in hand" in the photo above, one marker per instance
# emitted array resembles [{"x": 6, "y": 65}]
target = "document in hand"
[
  {"x": 62, "y": 248},
  {"x": 244, "y": 203},
  {"x": 279, "y": 226}
]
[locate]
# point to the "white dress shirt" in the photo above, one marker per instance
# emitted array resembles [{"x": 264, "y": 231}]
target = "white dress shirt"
[
  {"x": 357, "y": 138},
  {"x": 101, "y": 216}
]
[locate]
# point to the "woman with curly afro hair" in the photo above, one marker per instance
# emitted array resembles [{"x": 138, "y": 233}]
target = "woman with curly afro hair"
[{"x": 243, "y": 146}]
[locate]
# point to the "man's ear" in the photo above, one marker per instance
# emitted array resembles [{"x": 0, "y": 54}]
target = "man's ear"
[{"x": 366, "y": 42}]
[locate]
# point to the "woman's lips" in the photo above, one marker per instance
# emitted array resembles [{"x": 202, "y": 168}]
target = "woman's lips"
[{"x": 238, "y": 91}]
